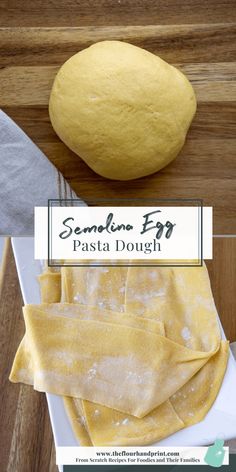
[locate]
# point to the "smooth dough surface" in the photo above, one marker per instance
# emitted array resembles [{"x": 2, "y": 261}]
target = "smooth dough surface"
[
  {"x": 167, "y": 309},
  {"x": 122, "y": 109}
]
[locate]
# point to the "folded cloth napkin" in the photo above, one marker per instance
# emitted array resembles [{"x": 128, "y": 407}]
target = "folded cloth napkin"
[{"x": 27, "y": 179}]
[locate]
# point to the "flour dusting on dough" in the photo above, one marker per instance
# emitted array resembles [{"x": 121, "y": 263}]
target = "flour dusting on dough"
[
  {"x": 153, "y": 275},
  {"x": 185, "y": 333},
  {"x": 62, "y": 356},
  {"x": 93, "y": 371},
  {"x": 82, "y": 420},
  {"x": 207, "y": 303},
  {"x": 137, "y": 374},
  {"x": 80, "y": 299},
  {"x": 125, "y": 421}
]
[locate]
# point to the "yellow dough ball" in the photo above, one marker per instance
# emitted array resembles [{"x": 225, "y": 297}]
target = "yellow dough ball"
[{"x": 123, "y": 110}]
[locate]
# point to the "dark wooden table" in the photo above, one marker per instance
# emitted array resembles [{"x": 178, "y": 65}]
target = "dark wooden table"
[{"x": 197, "y": 36}]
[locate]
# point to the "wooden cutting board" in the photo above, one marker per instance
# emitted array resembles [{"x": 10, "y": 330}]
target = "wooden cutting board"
[{"x": 198, "y": 37}]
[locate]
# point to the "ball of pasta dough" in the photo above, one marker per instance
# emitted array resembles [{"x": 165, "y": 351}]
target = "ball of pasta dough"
[{"x": 122, "y": 109}]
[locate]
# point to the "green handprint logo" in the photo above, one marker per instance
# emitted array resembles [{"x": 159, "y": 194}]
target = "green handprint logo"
[{"x": 215, "y": 454}]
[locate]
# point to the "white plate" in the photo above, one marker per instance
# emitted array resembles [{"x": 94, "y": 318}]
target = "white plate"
[{"x": 219, "y": 422}]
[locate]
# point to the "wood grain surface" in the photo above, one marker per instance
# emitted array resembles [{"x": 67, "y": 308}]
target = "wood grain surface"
[
  {"x": 26, "y": 443},
  {"x": 114, "y": 12},
  {"x": 198, "y": 37}
]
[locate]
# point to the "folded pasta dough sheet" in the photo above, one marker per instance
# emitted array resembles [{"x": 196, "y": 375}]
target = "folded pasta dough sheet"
[{"x": 135, "y": 352}]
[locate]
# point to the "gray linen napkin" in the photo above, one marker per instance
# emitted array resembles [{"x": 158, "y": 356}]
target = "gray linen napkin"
[{"x": 27, "y": 179}]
